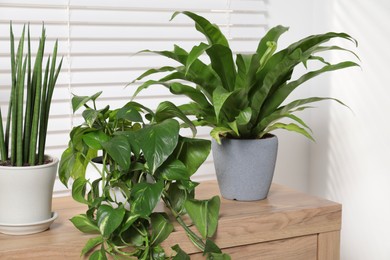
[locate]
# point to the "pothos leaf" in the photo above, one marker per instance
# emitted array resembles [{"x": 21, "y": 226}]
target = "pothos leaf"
[{"x": 204, "y": 214}]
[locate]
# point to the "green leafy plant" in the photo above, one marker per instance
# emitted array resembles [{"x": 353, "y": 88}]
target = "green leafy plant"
[
  {"x": 144, "y": 161},
  {"x": 23, "y": 141},
  {"x": 242, "y": 96}
]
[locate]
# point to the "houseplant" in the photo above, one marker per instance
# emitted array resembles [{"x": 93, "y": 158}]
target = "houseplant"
[
  {"x": 27, "y": 174},
  {"x": 241, "y": 97},
  {"x": 144, "y": 161}
]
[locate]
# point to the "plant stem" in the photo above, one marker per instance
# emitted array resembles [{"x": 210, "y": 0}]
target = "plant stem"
[{"x": 195, "y": 239}]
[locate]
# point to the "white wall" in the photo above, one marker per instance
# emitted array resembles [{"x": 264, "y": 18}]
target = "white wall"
[{"x": 350, "y": 162}]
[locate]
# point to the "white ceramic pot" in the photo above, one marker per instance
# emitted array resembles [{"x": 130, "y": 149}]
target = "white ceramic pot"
[
  {"x": 26, "y": 197},
  {"x": 245, "y": 168}
]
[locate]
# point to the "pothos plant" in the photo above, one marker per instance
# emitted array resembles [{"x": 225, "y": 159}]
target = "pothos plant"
[
  {"x": 242, "y": 96},
  {"x": 144, "y": 160}
]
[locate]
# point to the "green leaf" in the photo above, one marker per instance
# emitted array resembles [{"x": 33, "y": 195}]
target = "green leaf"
[
  {"x": 84, "y": 224},
  {"x": 285, "y": 90},
  {"x": 129, "y": 113},
  {"x": 158, "y": 141},
  {"x": 79, "y": 101},
  {"x": 173, "y": 170},
  {"x": 98, "y": 255},
  {"x": 211, "y": 31},
  {"x": 290, "y": 127},
  {"x": 220, "y": 95},
  {"x": 244, "y": 117},
  {"x": 194, "y": 94},
  {"x": 223, "y": 64},
  {"x": 204, "y": 214},
  {"x": 66, "y": 165},
  {"x": 271, "y": 36},
  {"x": 120, "y": 151},
  {"x": 161, "y": 228},
  {"x": 218, "y": 132},
  {"x": 211, "y": 247},
  {"x": 166, "y": 110},
  {"x": 129, "y": 219},
  {"x": 109, "y": 219},
  {"x": 218, "y": 256},
  {"x": 195, "y": 53},
  {"x": 95, "y": 139},
  {"x": 177, "y": 195},
  {"x": 180, "y": 254},
  {"x": 78, "y": 190},
  {"x": 91, "y": 244},
  {"x": 90, "y": 116},
  {"x": 192, "y": 153},
  {"x": 144, "y": 198}
]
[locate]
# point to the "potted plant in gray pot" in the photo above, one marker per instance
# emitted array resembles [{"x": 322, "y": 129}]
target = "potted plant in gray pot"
[
  {"x": 145, "y": 161},
  {"x": 27, "y": 174},
  {"x": 242, "y": 98}
]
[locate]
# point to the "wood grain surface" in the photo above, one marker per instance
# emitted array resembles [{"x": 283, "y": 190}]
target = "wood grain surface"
[{"x": 287, "y": 222}]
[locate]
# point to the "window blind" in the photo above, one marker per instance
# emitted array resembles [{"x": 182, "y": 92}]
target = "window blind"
[{"x": 100, "y": 41}]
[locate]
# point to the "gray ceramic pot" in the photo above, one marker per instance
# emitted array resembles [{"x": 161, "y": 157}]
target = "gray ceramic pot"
[{"x": 245, "y": 168}]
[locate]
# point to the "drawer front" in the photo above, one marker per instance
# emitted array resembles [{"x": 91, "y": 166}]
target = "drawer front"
[{"x": 297, "y": 248}]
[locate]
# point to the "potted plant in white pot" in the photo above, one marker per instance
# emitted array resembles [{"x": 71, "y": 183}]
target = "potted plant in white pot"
[
  {"x": 144, "y": 161},
  {"x": 27, "y": 174},
  {"x": 242, "y": 98}
]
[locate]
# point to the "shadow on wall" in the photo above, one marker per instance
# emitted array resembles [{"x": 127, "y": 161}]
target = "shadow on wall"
[{"x": 350, "y": 161}]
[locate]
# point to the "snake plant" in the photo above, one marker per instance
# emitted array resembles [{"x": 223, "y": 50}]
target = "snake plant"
[
  {"x": 242, "y": 96},
  {"x": 22, "y": 142}
]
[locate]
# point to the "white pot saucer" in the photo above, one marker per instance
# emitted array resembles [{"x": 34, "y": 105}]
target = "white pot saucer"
[{"x": 27, "y": 228}]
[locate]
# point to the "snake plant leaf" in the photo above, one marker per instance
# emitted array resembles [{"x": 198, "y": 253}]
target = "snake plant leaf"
[
  {"x": 158, "y": 141},
  {"x": 211, "y": 31},
  {"x": 91, "y": 244},
  {"x": 84, "y": 224},
  {"x": 192, "y": 153},
  {"x": 109, "y": 219},
  {"x": 79, "y": 101},
  {"x": 204, "y": 214},
  {"x": 161, "y": 228},
  {"x": 119, "y": 149},
  {"x": 144, "y": 198},
  {"x": 167, "y": 109},
  {"x": 3, "y": 151}
]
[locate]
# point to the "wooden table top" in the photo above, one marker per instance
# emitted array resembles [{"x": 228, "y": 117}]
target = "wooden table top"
[{"x": 285, "y": 213}]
